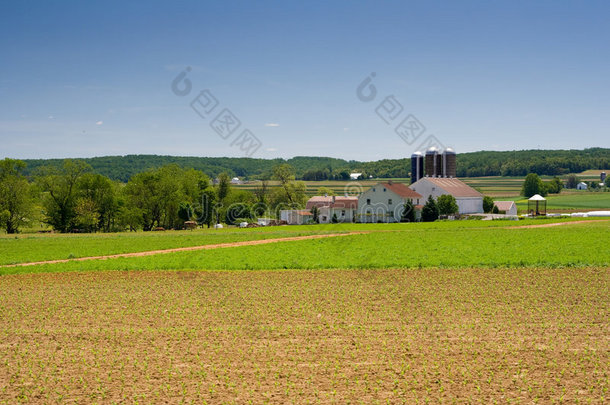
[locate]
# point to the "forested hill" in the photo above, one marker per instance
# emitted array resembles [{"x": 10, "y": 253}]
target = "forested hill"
[{"x": 513, "y": 163}]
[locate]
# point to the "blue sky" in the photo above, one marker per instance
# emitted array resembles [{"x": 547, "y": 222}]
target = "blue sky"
[{"x": 79, "y": 79}]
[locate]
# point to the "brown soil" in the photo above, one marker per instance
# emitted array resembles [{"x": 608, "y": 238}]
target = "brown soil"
[
  {"x": 186, "y": 249},
  {"x": 312, "y": 336}
]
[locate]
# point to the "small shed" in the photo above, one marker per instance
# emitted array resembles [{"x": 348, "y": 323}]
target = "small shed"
[
  {"x": 581, "y": 186},
  {"x": 506, "y": 207},
  {"x": 536, "y": 205}
]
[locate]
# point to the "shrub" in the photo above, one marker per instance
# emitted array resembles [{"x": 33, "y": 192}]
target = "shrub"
[{"x": 430, "y": 211}]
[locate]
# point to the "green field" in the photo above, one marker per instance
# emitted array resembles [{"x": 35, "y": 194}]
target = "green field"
[{"x": 443, "y": 244}]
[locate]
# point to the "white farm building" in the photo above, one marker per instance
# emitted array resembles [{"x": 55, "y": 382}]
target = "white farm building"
[
  {"x": 384, "y": 202},
  {"x": 469, "y": 200}
]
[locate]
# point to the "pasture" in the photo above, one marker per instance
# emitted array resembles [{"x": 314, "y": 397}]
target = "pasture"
[{"x": 457, "y": 312}]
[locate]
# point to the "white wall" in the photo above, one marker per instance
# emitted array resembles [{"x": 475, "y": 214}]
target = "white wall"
[
  {"x": 470, "y": 205},
  {"x": 325, "y": 215},
  {"x": 379, "y": 209},
  {"x": 466, "y": 205}
]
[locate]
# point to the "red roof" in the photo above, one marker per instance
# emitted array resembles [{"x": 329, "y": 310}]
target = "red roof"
[
  {"x": 333, "y": 202},
  {"x": 402, "y": 190}
]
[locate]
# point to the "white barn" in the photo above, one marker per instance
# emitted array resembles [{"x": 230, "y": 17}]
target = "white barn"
[
  {"x": 506, "y": 207},
  {"x": 469, "y": 200},
  {"x": 384, "y": 202},
  {"x": 581, "y": 186}
]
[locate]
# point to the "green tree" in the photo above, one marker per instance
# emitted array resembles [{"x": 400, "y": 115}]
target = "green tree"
[
  {"x": 284, "y": 174},
  {"x": 408, "y": 212},
  {"x": 87, "y": 215},
  {"x": 325, "y": 191},
  {"x": 447, "y": 205},
  {"x": 495, "y": 210},
  {"x": 315, "y": 212},
  {"x": 185, "y": 211},
  {"x": 334, "y": 219},
  {"x": 555, "y": 186},
  {"x": 208, "y": 207},
  {"x": 261, "y": 192},
  {"x": 16, "y": 200},
  {"x": 533, "y": 185},
  {"x": 572, "y": 181},
  {"x": 158, "y": 193},
  {"x": 430, "y": 210},
  {"x": 61, "y": 192},
  {"x": 101, "y": 192},
  {"x": 488, "y": 204}
]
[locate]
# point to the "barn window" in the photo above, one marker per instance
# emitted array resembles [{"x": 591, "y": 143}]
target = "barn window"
[
  {"x": 389, "y": 201},
  {"x": 368, "y": 201}
]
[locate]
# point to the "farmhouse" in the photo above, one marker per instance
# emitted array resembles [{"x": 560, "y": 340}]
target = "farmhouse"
[
  {"x": 581, "y": 186},
  {"x": 469, "y": 200},
  {"x": 344, "y": 208},
  {"x": 384, "y": 202},
  {"x": 506, "y": 207}
]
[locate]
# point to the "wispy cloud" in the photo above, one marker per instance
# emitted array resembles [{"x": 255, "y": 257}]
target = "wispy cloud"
[
  {"x": 271, "y": 149},
  {"x": 99, "y": 123},
  {"x": 272, "y": 124}
]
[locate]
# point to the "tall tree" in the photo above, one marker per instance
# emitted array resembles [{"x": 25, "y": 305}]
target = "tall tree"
[
  {"x": 261, "y": 192},
  {"x": 284, "y": 174},
  {"x": 408, "y": 212},
  {"x": 16, "y": 200},
  {"x": 101, "y": 192},
  {"x": 488, "y": 204},
  {"x": 572, "y": 181},
  {"x": 61, "y": 192},
  {"x": 430, "y": 211},
  {"x": 533, "y": 185}
]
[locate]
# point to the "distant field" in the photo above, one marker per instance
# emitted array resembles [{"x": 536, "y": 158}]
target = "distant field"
[
  {"x": 508, "y": 188},
  {"x": 307, "y": 336}
]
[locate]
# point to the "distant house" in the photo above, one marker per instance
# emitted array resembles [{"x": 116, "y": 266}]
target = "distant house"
[
  {"x": 469, "y": 200},
  {"x": 343, "y": 207},
  {"x": 581, "y": 186},
  {"x": 384, "y": 202},
  {"x": 506, "y": 207},
  {"x": 355, "y": 176},
  {"x": 296, "y": 217},
  {"x": 236, "y": 180}
]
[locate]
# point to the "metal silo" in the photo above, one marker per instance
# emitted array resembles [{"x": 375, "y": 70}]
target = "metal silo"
[
  {"x": 602, "y": 177},
  {"x": 449, "y": 163},
  {"x": 417, "y": 166},
  {"x": 431, "y": 154},
  {"x": 439, "y": 165}
]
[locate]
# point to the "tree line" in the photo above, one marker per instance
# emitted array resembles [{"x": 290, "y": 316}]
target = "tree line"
[
  {"x": 474, "y": 164},
  {"x": 73, "y": 198}
]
